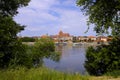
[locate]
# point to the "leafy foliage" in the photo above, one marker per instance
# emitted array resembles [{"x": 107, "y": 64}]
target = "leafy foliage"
[
  {"x": 27, "y": 39},
  {"x": 8, "y": 39},
  {"x": 22, "y": 57},
  {"x": 104, "y": 58},
  {"x": 10, "y": 47},
  {"x": 9, "y": 7},
  {"x": 115, "y": 73},
  {"x": 12, "y": 52},
  {"x": 44, "y": 48},
  {"x": 104, "y": 14}
]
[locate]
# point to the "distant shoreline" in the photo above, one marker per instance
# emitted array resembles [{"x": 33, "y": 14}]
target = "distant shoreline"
[{"x": 73, "y": 43}]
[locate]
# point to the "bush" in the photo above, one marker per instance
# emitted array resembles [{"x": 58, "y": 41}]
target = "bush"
[
  {"x": 104, "y": 58},
  {"x": 15, "y": 55},
  {"x": 44, "y": 48},
  {"x": 21, "y": 57},
  {"x": 19, "y": 54}
]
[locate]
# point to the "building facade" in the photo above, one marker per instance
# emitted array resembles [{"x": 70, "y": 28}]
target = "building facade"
[{"x": 61, "y": 37}]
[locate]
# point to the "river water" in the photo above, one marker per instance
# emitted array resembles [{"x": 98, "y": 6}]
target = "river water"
[{"x": 71, "y": 60}]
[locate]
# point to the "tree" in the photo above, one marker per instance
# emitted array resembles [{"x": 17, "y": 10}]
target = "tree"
[
  {"x": 105, "y": 15},
  {"x": 9, "y": 44},
  {"x": 103, "y": 59},
  {"x": 44, "y": 48},
  {"x": 27, "y": 39},
  {"x": 9, "y": 7}
]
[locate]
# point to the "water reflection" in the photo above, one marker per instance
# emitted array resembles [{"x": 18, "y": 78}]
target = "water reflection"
[{"x": 72, "y": 59}]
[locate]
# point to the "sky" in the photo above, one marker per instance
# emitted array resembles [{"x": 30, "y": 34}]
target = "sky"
[{"x": 50, "y": 16}]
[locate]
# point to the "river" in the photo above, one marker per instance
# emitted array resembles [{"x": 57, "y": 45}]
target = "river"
[{"x": 71, "y": 60}]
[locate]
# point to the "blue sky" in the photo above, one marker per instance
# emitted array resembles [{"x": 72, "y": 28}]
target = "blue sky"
[{"x": 50, "y": 16}]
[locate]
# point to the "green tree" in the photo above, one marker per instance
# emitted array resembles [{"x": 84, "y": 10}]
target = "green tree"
[
  {"x": 103, "y": 58},
  {"x": 9, "y": 7},
  {"x": 44, "y": 48},
  {"x": 105, "y": 15},
  {"x": 27, "y": 39},
  {"x": 9, "y": 44}
]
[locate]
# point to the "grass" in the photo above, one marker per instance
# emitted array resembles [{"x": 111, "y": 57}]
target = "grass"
[
  {"x": 44, "y": 74},
  {"x": 37, "y": 74},
  {"x": 115, "y": 73}
]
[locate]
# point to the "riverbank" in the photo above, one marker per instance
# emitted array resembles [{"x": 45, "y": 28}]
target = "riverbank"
[
  {"x": 73, "y": 43},
  {"x": 45, "y": 74}
]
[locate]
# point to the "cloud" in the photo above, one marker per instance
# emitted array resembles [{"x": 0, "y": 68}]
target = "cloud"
[{"x": 50, "y": 16}]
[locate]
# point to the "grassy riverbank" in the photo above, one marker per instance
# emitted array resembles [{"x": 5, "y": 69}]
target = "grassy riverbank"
[{"x": 44, "y": 74}]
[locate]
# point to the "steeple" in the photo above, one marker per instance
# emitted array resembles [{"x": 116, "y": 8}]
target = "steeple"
[{"x": 60, "y": 32}]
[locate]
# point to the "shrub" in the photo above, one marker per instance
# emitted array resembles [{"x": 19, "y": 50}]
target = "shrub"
[
  {"x": 44, "y": 48},
  {"x": 104, "y": 58}
]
